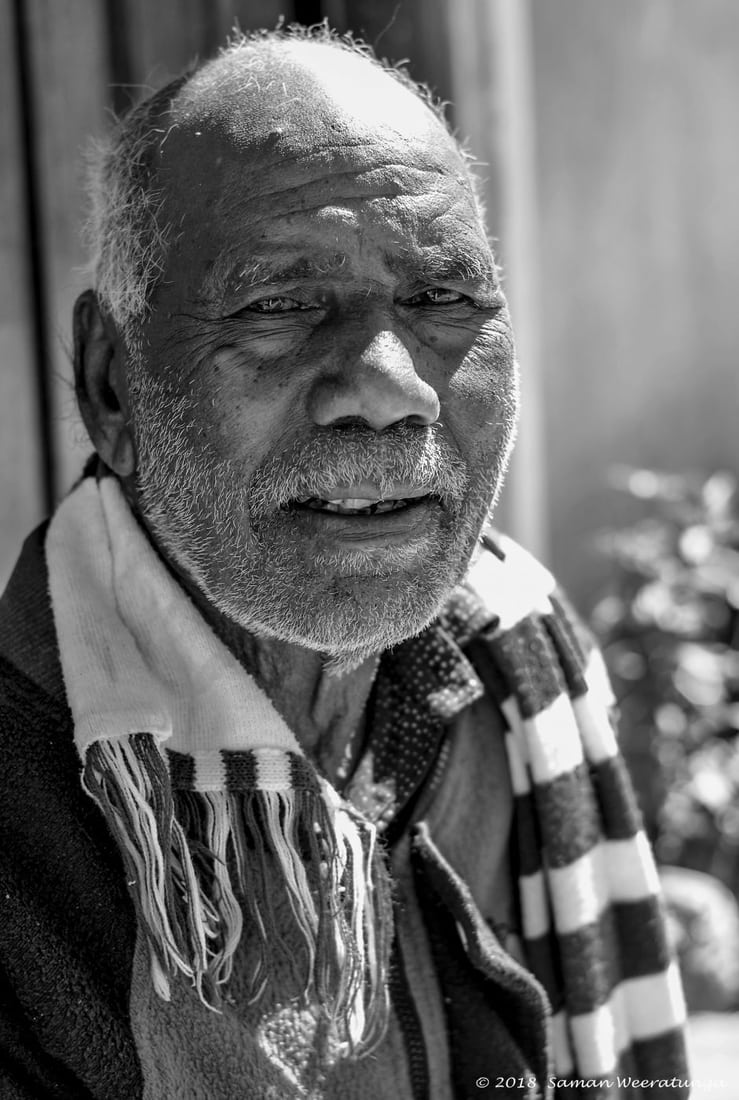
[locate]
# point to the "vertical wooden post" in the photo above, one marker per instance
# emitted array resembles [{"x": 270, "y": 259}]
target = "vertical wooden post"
[
  {"x": 68, "y": 70},
  {"x": 492, "y": 90},
  {"x": 21, "y": 480},
  {"x": 32, "y": 219}
]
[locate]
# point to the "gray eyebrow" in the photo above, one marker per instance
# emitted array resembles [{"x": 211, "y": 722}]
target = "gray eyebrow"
[
  {"x": 464, "y": 266},
  {"x": 227, "y": 275}
]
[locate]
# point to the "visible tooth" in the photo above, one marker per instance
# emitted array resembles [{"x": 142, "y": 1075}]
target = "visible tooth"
[{"x": 354, "y": 505}]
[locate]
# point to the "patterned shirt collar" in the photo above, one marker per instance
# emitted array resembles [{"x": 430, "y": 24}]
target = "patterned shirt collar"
[{"x": 422, "y": 685}]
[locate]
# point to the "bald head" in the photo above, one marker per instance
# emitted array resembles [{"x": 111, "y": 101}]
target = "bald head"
[
  {"x": 282, "y": 96},
  {"x": 299, "y": 90}
]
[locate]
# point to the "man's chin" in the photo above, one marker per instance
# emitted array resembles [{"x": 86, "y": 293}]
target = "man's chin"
[
  {"x": 348, "y": 637},
  {"x": 348, "y": 608}
]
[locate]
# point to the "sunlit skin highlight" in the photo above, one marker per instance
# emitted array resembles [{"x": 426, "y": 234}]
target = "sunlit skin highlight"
[{"x": 329, "y": 320}]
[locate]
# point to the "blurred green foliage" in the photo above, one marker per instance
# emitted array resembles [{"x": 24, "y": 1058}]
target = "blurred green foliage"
[{"x": 669, "y": 626}]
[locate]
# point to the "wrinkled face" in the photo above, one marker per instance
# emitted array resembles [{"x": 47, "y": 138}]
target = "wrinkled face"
[{"x": 326, "y": 393}]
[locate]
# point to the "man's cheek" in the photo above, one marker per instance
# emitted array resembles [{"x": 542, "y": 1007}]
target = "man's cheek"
[{"x": 483, "y": 392}]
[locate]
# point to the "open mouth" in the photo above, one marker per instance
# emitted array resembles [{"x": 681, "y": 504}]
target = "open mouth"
[{"x": 358, "y": 506}]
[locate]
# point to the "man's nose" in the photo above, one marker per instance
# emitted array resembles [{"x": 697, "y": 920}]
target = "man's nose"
[{"x": 379, "y": 385}]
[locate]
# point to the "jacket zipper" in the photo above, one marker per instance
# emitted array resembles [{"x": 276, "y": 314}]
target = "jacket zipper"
[
  {"x": 410, "y": 1026},
  {"x": 400, "y": 992}
]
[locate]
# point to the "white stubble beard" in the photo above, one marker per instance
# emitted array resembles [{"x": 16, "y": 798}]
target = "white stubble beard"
[{"x": 346, "y": 604}]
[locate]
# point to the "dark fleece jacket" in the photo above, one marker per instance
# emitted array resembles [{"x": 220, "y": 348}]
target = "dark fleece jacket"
[{"x": 66, "y": 922}]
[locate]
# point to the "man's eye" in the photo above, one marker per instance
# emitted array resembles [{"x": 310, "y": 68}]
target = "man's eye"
[
  {"x": 275, "y": 305},
  {"x": 437, "y": 296}
]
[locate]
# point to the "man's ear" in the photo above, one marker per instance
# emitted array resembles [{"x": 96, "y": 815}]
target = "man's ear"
[{"x": 100, "y": 384}]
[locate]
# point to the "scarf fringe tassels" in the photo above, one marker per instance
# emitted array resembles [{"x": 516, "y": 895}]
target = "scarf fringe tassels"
[{"x": 199, "y": 863}]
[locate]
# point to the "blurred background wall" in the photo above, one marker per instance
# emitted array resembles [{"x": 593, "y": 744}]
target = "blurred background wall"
[{"x": 607, "y": 134}]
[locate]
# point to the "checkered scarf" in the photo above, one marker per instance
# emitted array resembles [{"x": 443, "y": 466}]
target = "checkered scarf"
[{"x": 590, "y": 909}]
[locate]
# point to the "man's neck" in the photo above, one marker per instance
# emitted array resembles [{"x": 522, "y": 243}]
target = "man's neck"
[{"x": 324, "y": 710}]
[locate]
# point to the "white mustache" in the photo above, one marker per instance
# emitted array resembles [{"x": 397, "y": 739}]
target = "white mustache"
[{"x": 399, "y": 455}]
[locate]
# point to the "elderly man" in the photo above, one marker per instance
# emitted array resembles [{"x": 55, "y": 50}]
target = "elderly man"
[{"x": 352, "y": 822}]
